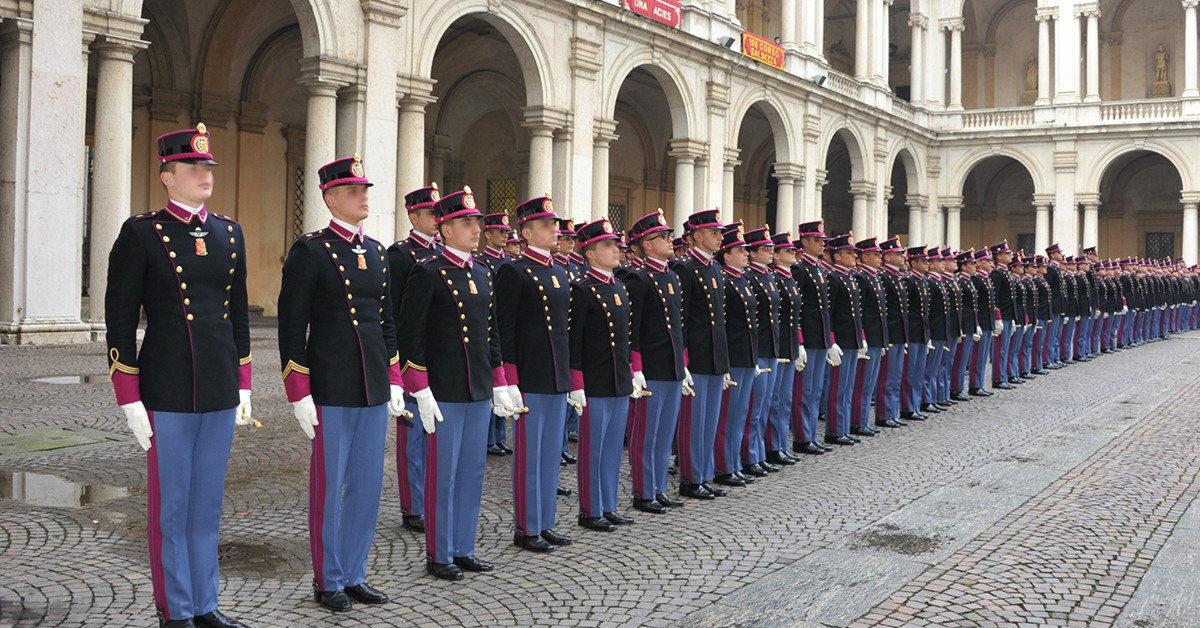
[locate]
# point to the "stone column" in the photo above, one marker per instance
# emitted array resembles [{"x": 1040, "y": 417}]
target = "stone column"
[
  {"x": 861, "y": 191},
  {"x": 1091, "y": 215},
  {"x": 685, "y": 152},
  {"x": 700, "y": 181},
  {"x": 956, "y": 27},
  {"x": 727, "y": 178},
  {"x": 605, "y": 135},
  {"x": 351, "y": 109},
  {"x": 561, "y": 178},
  {"x": 785, "y": 200},
  {"x": 380, "y": 114},
  {"x": 819, "y": 182},
  {"x": 1092, "y": 14},
  {"x": 1189, "y": 51},
  {"x": 113, "y": 152},
  {"x": 320, "y": 141},
  {"x": 916, "y": 218},
  {"x": 862, "y": 40},
  {"x": 787, "y": 15},
  {"x": 1041, "y": 229},
  {"x": 541, "y": 123},
  {"x": 1191, "y": 237},
  {"x": 1066, "y": 61},
  {"x": 1043, "y": 58},
  {"x": 410, "y": 151},
  {"x": 953, "y": 205},
  {"x": 883, "y": 40},
  {"x": 918, "y": 23}
]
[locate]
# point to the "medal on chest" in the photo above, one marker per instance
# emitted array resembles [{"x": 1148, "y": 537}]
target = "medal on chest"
[
  {"x": 617, "y": 298},
  {"x": 671, "y": 288},
  {"x": 714, "y": 280},
  {"x": 362, "y": 261},
  {"x": 554, "y": 280},
  {"x": 471, "y": 286},
  {"x": 201, "y": 247}
]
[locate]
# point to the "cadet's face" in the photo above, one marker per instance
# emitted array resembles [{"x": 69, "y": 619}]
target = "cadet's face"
[
  {"x": 190, "y": 184},
  {"x": 785, "y": 257},
  {"x": 919, "y": 265},
  {"x": 566, "y": 245},
  {"x": 462, "y": 233},
  {"x": 985, "y": 265},
  {"x": 737, "y": 257},
  {"x": 424, "y": 221},
  {"x": 845, "y": 257},
  {"x": 894, "y": 259},
  {"x": 348, "y": 203},
  {"x": 874, "y": 259},
  {"x": 495, "y": 238},
  {"x": 658, "y": 245},
  {"x": 513, "y": 249},
  {"x": 969, "y": 268},
  {"x": 814, "y": 246},
  {"x": 541, "y": 233},
  {"x": 762, "y": 255},
  {"x": 708, "y": 239},
  {"x": 606, "y": 255}
]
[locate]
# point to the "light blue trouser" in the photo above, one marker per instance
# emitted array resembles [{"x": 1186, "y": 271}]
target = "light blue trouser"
[
  {"x": 410, "y": 460},
  {"x": 780, "y": 418},
  {"x": 933, "y": 366},
  {"x": 186, "y": 486},
  {"x": 891, "y": 382},
  {"x": 912, "y": 389},
  {"x": 601, "y": 440},
  {"x": 810, "y": 398},
  {"x": 698, "y": 430},
  {"x": 1000, "y": 350},
  {"x": 864, "y": 387},
  {"x": 841, "y": 395},
  {"x": 537, "y": 452},
  {"x": 753, "y": 446},
  {"x": 457, "y": 459},
  {"x": 731, "y": 425},
  {"x": 651, "y": 437}
]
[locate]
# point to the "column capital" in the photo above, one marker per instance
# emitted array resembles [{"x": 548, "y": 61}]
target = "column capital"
[
  {"x": 324, "y": 76},
  {"x": 731, "y": 156},
  {"x": 540, "y": 119},
  {"x": 585, "y": 58},
  {"x": 1045, "y": 14},
  {"x": 118, "y": 48},
  {"x": 1188, "y": 197},
  {"x": 951, "y": 203},
  {"x": 605, "y": 131},
  {"x": 1089, "y": 199},
  {"x": 385, "y": 12},
  {"x": 862, "y": 189},
  {"x": 952, "y": 24},
  {"x": 789, "y": 172},
  {"x": 1043, "y": 200},
  {"x": 684, "y": 149},
  {"x": 916, "y": 201},
  {"x": 414, "y": 89},
  {"x": 1087, "y": 9},
  {"x": 822, "y": 178},
  {"x": 1190, "y": 4},
  {"x": 920, "y": 20}
]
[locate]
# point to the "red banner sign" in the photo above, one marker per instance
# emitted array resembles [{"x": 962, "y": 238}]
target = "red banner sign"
[
  {"x": 759, "y": 49},
  {"x": 667, "y": 12}
]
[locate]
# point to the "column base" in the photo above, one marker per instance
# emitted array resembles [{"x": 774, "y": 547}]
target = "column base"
[
  {"x": 45, "y": 332},
  {"x": 1092, "y": 99}
]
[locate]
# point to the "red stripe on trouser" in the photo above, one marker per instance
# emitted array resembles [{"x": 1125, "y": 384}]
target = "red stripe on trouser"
[
  {"x": 637, "y": 446},
  {"x": 431, "y": 482},
  {"x": 955, "y": 382},
  {"x": 719, "y": 443},
  {"x": 998, "y": 366},
  {"x": 583, "y": 473},
  {"x": 402, "y": 466},
  {"x": 519, "y": 463},
  {"x": 881, "y": 389},
  {"x": 904, "y": 385},
  {"x": 746, "y": 431},
  {"x": 683, "y": 440},
  {"x": 316, "y": 500},
  {"x": 831, "y": 413},
  {"x": 860, "y": 377},
  {"x": 154, "y": 524},
  {"x": 798, "y": 404}
]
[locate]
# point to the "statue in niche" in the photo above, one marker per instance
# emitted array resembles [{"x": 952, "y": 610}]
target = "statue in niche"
[
  {"x": 1161, "y": 87},
  {"x": 1031, "y": 82}
]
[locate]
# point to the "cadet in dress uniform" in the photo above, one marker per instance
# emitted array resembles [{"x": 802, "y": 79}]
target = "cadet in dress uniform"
[
  {"x": 1070, "y": 310},
  {"x": 954, "y": 316},
  {"x": 514, "y": 246},
  {"x": 1041, "y": 350},
  {"x": 1082, "y": 325},
  {"x": 845, "y": 316},
  {"x": 1006, "y": 302},
  {"x": 1021, "y": 303},
  {"x": 453, "y": 368},
  {"x": 770, "y": 365},
  {"x": 566, "y": 256},
  {"x": 873, "y": 298},
  {"x": 337, "y": 345},
  {"x": 988, "y": 317},
  {"x": 419, "y": 247},
  {"x": 601, "y": 378},
  {"x": 940, "y": 333},
  {"x": 533, "y": 298},
  {"x": 495, "y": 234},
  {"x": 790, "y": 351},
  {"x": 183, "y": 394},
  {"x": 916, "y": 285},
  {"x": 1058, "y": 303},
  {"x": 971, "y": 330},
  {"x": 706, "y": 353},
  {"x": 887, "y": 393},
  {"x": 656, "y": 354},
  {"x": 816, "y": 334},
  {"x": 741, "y": 331}
]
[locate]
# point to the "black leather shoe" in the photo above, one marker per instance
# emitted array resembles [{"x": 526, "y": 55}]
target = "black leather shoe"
[
  {"x": 217, "y": 619},
  {"x": 508, "y": 451},
  {"x": 769, "y": 468},
  {"x": 755, "y": 470},
  {"x": 416, "y": 523},
  {"x": 947, "y": 402},
  {"x": 667, "y": 501},
  {"x": 1002, "y": 386},
  {"x": 531, "y": 543},
  {"x": 336, "y": 601},
  {"x": 695, "y": 491},
  {"x": 568, "y": 458},
  {"x": 555, "y": 538},
  {"x": 808, "y": 448},
  {"x": 366, "y": 594},
  {"x": 470, "y": 563},
  {"x": 1041, "y": 372},
  {"x": 838, "y": 440},
  {"x": 748, "y": 479},
  {"x": 1016, "y": 380},
  {"x": 959, "y": 395},
  {"x": 1028, "y": 375},
  {"x": 597, "y": 524},
  {"x": 780, "y": 458},
  {"x": 729, "y": 479},
  {"x": 717, "y": 492},
  {"x": 649, "y": 505},
  {"x": 494, "y": 450},
  {"x": 617, "y": 518},
  {"x": 176, "y": 623},
  {"x": 854, "y": 438},
  {"x": 888, "y": 423},
  {"x": 563, "y": 490},
  {"x": 863, "y": 431},
  {"x": 912, "y": 416},
  {"x": 979, "y": 392},
  {"x": 1054, "y": 366},
  {"x": 930, "y": 408},
  {"x": 444, "y": 571}
]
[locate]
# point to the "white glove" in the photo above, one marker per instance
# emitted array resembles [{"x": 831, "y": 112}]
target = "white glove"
[
  {"x": 1095, "y": 315},
  {"x": 428, "y": 408},
  {"x": 1125, "y": 308},
  {"x": 138, "y": 421},
  {"x": 639, "y": 385},
  {"x": 688, "y": 383},
  {"x": 577, "y": 401},
  {"x": 727, "y": 382},
  {"x": 759, "y": 371},
  {"x": 781, "y": 360},
  {"x": 306, "y": 414},
  {"x": 502, "y": 403},
  {"x": 978, "y": 334},
  {"x": 997, "y": 330},
  {"x": 514, "y": 394},
  {"x": 244, "y": 412},
  {"x": 1106, "y": 315},
  {"x": 396, "y": 403},
  {"x": 1076, "y": 319},
  {"x": 929, "y": 345},
  {"x": 862, "y": 354},
  {"x": 834, "y": 356},
  {"x": 801, "y": 360}
]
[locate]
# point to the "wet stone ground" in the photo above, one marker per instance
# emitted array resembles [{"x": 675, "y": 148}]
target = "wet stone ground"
[{"x": 1066, "y": 502}]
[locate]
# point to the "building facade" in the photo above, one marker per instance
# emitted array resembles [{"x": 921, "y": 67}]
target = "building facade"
[{"x": 957, "y": 122}]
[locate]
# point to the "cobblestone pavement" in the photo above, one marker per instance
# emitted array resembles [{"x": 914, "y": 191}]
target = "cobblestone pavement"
[{"x": 781, "y": 552}]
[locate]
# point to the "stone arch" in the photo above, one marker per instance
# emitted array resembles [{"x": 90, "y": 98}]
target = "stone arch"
[
  {"x": 1106, "y": 158},
  {"x": 773, "y": 109},
  {"x": 960, "y": 168},
  {"x": 1001, "y": 13},
  {"x": 853, "y": 138},
  {"x": 230, "y": 48},
  {"x": 669, "y": 78},
  {"x": 512, "y": 25},
  {"x": 501, "y": 94},
  {"x": 903, "y": 153}
]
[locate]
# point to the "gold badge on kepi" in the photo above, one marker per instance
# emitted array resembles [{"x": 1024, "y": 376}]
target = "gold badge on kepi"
[
  {"x": 547, "y": 206},
  {"x": 504, "y": 220},
  {"x": 200, "y": 140},
  {"x": 434, "y": 194},
  {"x": 608, "y": 229},
  {"x": 356, "y": 168}
]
